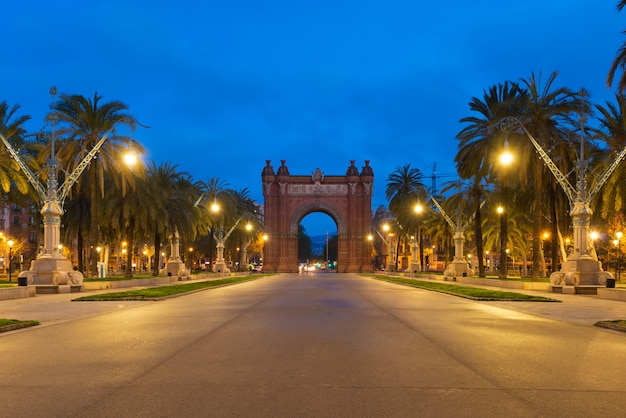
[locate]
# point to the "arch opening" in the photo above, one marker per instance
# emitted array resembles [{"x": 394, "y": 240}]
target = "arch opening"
[{"x": 317, "y": 242}]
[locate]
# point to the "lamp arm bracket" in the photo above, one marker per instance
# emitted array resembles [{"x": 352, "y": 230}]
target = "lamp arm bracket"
[
  {"x": 27, "y": 172},
  {"x": 73, "y": 177},
  {"x": 605, "y": 176},
  {"x": 570, "y": 191},
  {"x": 443, "y": 212}
]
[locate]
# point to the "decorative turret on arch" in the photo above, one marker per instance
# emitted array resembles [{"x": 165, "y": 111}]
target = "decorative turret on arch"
[{"x": 289, "y": 198}]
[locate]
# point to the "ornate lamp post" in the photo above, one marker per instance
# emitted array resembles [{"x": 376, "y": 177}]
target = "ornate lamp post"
[
  {"x": 391, "y": 265},
  {"x": 582, "y": 267},
  {"x": 221, "y": 236},
  {"x": 458, "y": 267},
  {"x": 51, "y": 269},
  {"x": 416, "y": 260}
]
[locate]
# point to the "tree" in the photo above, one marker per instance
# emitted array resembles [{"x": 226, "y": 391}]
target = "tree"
[
  {"x": 547, "y": 115},
  {"x": 173, "y": 193},
  {"x": 132, "y": 216},
  {"x": 481, "y": 142},
  {"x": 612, "y": 132},
  {"x": 85, "y": 121},
  {"x": 404, "y": 190},
  {"x": 305, "y": 251},
  {"x": 12, "y": 129},
  {"x": 215, "y": 204},
  {"x": 619, "y": 62}
]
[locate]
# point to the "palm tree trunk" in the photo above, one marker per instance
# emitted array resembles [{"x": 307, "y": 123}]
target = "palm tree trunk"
[
  {"x": 538, "y": 267},
  {"x": 478, "y": 233},
  {"x": 504, "y": 232},
  {"x": 157, "y": 254},
  {"x": 94, "y": 225},
  {"x": 81, "y": 248},
  {"x": 131, "y": 246}
]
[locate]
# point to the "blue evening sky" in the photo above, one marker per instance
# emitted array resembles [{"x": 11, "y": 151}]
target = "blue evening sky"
[{"x": 225, "y": 85}]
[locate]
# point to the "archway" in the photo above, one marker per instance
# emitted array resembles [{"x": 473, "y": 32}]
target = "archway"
[
  {"x": 319, "y": 242},
  {"x": 346, "y": 199}
]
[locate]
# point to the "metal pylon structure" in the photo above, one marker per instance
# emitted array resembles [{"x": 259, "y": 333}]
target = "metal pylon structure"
[
  {"x": 51, "y": 271},
  {"x": 582, "y": 268}
]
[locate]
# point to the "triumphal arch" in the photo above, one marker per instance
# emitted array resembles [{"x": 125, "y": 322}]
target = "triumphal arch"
[{"x": 288, "y": 199}]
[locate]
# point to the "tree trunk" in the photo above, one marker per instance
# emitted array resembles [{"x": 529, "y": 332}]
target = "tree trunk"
[
  {"x": 93, "y": 221},
  {"x": 538, "y": 267},
  {"x": 131, "y": 245},
  {"x": 504, "y": 232},
  {"x": 478, "y": 234},
  {"x": 157, "y": 254},
  {"x": 81, "y": 251},
  {"x": 554, "y": 244}
]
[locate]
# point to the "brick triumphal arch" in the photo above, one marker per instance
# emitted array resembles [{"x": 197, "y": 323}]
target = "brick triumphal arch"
[{"x": 288, "y": 199}]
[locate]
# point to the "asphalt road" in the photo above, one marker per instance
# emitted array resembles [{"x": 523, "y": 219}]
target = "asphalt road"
[{"x": 326, "y": 345}]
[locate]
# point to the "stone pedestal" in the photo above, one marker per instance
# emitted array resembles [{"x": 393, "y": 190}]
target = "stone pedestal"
[
  {"x": 175, "y": 268},
  {"x": 457, "y": 268},
  {"x": 582, "y": 272},
  {"x": 51, "y": 272},
  {"x": 579, "y": 274},
  {"x": 414, "y": 268},
  {"x": 221, "y": 267}
]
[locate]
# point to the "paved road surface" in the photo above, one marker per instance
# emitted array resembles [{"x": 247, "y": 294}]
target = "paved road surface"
[{"x": 326, "y": 345}]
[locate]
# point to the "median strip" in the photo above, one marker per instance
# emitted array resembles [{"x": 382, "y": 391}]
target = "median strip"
[
  {"x": 474, "y": 293},
  {"x": 13, "y": 324},
  {"x": 163, "y": 292}
]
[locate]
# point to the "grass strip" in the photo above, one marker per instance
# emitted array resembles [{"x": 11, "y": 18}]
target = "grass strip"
[
  {"x": 12, "y": 324},
  {"x": 617, "y": 325},
  {"x": 160, "y": 292},
  {"x": 474, "y": 293}
]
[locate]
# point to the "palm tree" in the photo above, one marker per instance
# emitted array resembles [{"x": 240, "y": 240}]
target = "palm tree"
[
  {"x": 404, "y": 190},
  {"x": 12, "y": 129},
  {"x": 133, "y": 216},
  {"x": 548, "y": 117},
  {"x": 173, "y": 192},
  {"x": 612, "y": 131},
  {"x": 480, "y": 144},
  {"x": 619, "y": 62},
  {"x": 216, "y": 203},
  {"x": 247, "y": 211},
  {"x": 84, "y": 122},
  {"x": 468, "y": 198}
]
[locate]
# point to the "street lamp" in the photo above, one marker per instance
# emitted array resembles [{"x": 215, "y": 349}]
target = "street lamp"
[
  {"x": 10, "y": 244},
  {"x": 582, "y": 267},
  {"x": 544, "y": 238},
  {"x": 390, "y": 266},
  {"x": 417, "y": 261}
]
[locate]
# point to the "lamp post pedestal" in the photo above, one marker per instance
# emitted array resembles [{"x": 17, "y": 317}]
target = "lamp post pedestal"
[
  {"x": 414, "y": 266},
  {"x": 51, "y": 272},
  {"x": 582, "y": 272},
  {"x": 220, "y": 265},
  {"x": 174, "y": 265},
  {"x": 458, "y": 267}
]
